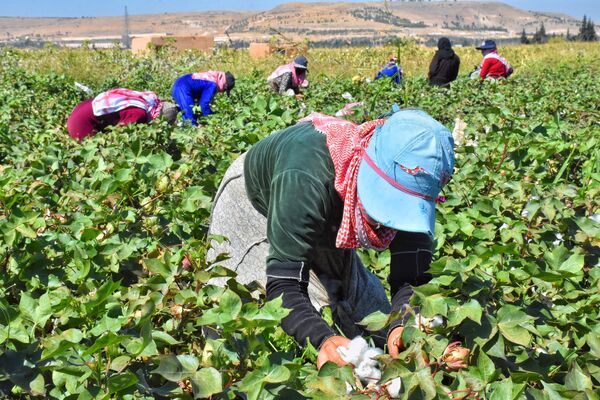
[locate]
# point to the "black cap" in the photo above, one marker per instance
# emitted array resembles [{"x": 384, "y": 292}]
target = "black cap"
[{"x": 230, "y": 82}]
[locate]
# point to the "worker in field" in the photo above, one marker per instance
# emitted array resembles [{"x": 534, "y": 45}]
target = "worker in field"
[
  {"x": 493, "y": 65},
  {"x": 117, "y": 107},
  {"x": 445, "y": 64},
  {"x": 200, "y": 89},
  {"x": 305, "y": 198},
  {"x": 288, "y": 79},
  {"x": 391, "y": 70}
]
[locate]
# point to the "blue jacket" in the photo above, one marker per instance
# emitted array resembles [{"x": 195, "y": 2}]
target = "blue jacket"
[
  {"x": 187, "y": 91},
  {"x": 390, "y": 71}
]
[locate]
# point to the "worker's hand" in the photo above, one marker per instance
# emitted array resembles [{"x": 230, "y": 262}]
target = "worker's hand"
[
  {"x": 328, "y": 351},
  {"x": 394, "y": 342},
  {"x": 299, "y": 96}
]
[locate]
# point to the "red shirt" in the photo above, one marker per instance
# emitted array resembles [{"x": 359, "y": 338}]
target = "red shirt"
[
  {"x": 493, "y": 68},
  {"x": 82, "y": 122}
]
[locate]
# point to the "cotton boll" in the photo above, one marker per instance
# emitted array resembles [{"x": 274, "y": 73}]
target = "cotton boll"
[
  {"x": 393, "y": 387},
  {"x": 367, "y": 373},
  {"x": 349, "y": 388},
  {"x": 84, "y": 88},
  {"x": 353, "y": 353},
  {"x": 369, "y": 356},
  {"x": 436, "y": 321},
  {"x": 290, "y": 92},
  {"x": 347, "y": 96},
  {"x": 595, "y": 218},
  {"x": 458, "y": 133},
  {"x": 559, "y": 239}
]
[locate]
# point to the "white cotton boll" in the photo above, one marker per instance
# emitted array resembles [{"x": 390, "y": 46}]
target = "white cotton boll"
[
  {"x": 503, "y": 226},
  {"x": 525, "y": 213},
  {"x": 368, "y": 80},
  {"x": 347, "y": 96},
  {"x": 595, "y": 218},
  {"x": 290, "y": 92},
  {"x": 84, "y": 88},
  {"x": 367, "y": 373},
  {"x": 349, "y": 388},
  {"x": 353, "y": 353},
  {"x": 393, "y": 387},
  {"x": 458, "y": 133},
  {"x": 559, "y": 239},
  {"x": 370, "y": 354},
  {"x": 436, "y": 321}
]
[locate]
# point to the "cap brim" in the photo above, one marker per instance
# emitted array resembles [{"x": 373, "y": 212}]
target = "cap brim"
[{"x": 390, "y": 206}]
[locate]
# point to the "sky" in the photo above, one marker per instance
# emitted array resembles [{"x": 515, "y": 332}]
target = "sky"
[{"x": 78, "y": 8}]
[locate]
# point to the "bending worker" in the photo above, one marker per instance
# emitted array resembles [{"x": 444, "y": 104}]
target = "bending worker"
[
  {"x": 391, "y": 70},
  {"x": 493, "y": 65},
  {"x": 117, "y": 107},
  {"x": 306, "y": 197},
  {"x": 289, "y": 78},
  {"x": 445, "y": 64},
  {"x": 200, "y": 88}
]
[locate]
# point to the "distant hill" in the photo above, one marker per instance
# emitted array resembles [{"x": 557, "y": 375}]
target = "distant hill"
[{"x": 319, "y": 22}]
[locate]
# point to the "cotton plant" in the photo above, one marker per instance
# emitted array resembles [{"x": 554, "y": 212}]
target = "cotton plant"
[{"x": 366, "y": 369}]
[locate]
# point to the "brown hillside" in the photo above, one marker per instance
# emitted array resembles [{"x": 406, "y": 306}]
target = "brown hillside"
[{"x": 315, "y": 21}]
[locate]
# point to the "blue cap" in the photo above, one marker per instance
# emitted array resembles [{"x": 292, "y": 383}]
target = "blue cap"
[
  {"x": 486, "y": 44},
  {"x": 407, "y": 163},
  {"x": 301, "y": 62}
]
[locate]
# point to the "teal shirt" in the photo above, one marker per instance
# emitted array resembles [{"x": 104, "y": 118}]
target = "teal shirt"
[{"x": 290, "y": 180}]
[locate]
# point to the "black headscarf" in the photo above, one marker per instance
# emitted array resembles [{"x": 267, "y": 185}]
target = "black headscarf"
[{"x": 445, "y": 48}]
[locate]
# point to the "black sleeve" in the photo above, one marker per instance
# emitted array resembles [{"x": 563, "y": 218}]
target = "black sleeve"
[
  {"x": 455, "y": 67},
  {"x": 290, "y": 280},
  {"x": 433, "y": 66},
  {"x": 411, "y": 255}
]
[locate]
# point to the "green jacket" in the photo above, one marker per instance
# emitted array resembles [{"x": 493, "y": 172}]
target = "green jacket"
[{"x": 290, "y": 180}]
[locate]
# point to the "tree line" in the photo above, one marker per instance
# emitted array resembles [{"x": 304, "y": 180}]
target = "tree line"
[{"x": 587, "y": 33}]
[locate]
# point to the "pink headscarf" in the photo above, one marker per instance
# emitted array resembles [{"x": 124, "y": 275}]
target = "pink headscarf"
[
  {"x": 298, "y": 80},
  {"x": 217, "y": 77}
]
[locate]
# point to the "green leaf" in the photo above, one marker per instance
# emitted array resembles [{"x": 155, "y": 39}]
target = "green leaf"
[
  {"x": 108, "y": 340},
  {"x": 510, "y": 323},
  {"x": 194, "y": 198},
  {"x": 375, "y": 321},
  {"x": 426, "y": 383},
  {"x": 486, "y": 367},
  {"x": 228, "y": 309},
  {"x": 577, "y": 380},
  {"x": 206, "y": 382},
  {"x": 38, "y": 311},
  {"x": 157, "y": 267},
  {"x": 573, "y": 264},
  {"x": 276, "y": 374},
  {"x": 120, "y": 382},
  {"x": 434, "y": 305},
  {"x": 501, "y": 390},
  {"x": 38, "y": 386},
  {"x": 175, "y": 368},
  {"x": 471, "y": 310}
]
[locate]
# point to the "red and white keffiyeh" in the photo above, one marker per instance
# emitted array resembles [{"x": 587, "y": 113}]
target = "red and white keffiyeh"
[
  {"x": 346, "y": 142},
  {"x": 118, "y": 99},
  {"x": 217, "y": 77}
]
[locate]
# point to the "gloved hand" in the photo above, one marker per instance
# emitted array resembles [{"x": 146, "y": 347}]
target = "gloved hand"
[
  {"x": 328, "y": 351},
  {"x": 394, "y": 342}
]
